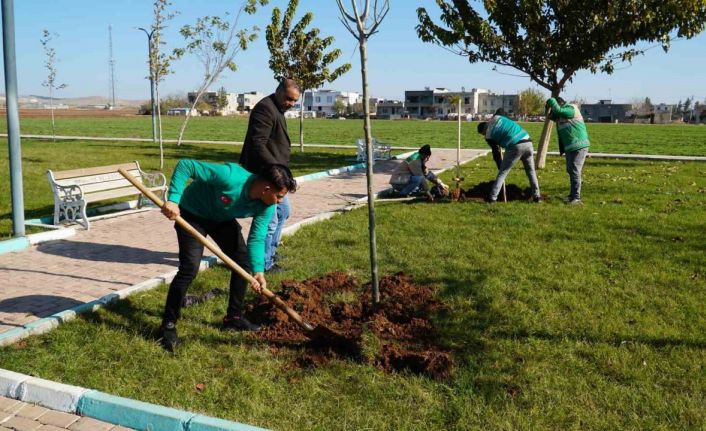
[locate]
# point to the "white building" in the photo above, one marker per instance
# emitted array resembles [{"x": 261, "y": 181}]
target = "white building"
[
  {"x": 436, "y": 102},
  {"x": 322, "y": 101},
  {"x": 248, "y": 100},
  {"x": 211, "y": 97}
]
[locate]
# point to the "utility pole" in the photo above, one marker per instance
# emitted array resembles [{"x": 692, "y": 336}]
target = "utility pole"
[
  {"x": 111, "y": 64},
  {"x": 154, "y": 108},
  {"x": 13, "y": 117}
]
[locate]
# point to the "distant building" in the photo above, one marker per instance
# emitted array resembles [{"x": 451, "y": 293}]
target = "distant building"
[
  {"x": 211, "y": 97},
  {"x": 436, "y": 103},
  {"x": 605, "y": 111},
  {"x": 322, "y": 101},
  {"x": 183, "y": 111},
  {"x": 248, "y": 100},
  {"x": 390, "y": 109}
]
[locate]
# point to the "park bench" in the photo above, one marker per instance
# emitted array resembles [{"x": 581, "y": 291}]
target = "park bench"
[
  {"x": 76, "y": 188},
  {"x": 380, "y": 151}
]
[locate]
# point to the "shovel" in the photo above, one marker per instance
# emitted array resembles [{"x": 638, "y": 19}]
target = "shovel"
[{"x": 318, "y": 333}]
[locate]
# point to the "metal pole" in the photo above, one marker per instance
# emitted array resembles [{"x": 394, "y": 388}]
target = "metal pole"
[
  {"x": 13, "y": 117},
  {"x": 154, "y": 108}
]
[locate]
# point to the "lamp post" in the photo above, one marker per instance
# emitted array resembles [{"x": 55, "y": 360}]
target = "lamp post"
[
  {"x": 13, "y": 118},
  {"x": 154, "y": 108}
]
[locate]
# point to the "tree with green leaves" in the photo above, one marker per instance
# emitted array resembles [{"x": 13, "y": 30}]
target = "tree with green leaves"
[
  {"x": 531, "y": 102},
  {"x": 221, "y": 99},
  {"x": 50, "y": 82},
  {"x": 339, "y": 107},
  {"x": 551, "y": 40},
  {"x": 362, "y": 22},
  {"x": 300, "y": 54},
  {"x": 215, "y": 42},
  {"x": 160, "y": 62}
]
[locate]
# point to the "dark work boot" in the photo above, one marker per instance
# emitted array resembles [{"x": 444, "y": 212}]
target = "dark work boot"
[
  {"x": 168, "y": 336},
  {"x": 238, "y": 323}
]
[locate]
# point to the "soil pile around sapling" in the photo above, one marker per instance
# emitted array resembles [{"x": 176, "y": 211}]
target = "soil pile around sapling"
[
  {"x": 395, "y": 336},
  {"x": 480, "y": 192}
]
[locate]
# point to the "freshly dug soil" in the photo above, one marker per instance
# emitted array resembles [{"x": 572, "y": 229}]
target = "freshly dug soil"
[
  {"x": 397, "y": 335},
  {"x": 482, "y": 191}
]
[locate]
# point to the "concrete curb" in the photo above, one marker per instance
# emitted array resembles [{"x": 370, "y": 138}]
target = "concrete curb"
[
  {"x": 108, "y": 408},
  {"x": 48, "y": 323}
]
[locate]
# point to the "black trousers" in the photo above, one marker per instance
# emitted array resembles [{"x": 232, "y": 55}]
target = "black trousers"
[{"x": 229, "y": 237}]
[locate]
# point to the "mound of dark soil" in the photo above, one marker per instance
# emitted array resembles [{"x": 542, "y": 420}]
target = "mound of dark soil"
[
  {"x": 482, "y": 191},
  {"x": 397, "y": 335}
]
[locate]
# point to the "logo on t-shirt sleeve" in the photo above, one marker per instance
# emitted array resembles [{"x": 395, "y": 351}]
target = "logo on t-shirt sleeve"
[{"x": 226, "y": 200}]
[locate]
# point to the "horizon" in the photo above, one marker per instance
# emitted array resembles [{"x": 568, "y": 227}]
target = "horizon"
[{"x": 395, "y": 55}]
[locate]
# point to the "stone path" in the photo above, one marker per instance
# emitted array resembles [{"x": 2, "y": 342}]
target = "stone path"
[
  {"x": 20, "y": 416},
  {"x": 122, "y": 251}
]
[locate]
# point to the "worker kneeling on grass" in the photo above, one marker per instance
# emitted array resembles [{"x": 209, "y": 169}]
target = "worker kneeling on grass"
[
  {"x": 217, "y": 195},
  {"x": 502, "y": 132},
  {"x": 411, "y": 176}
]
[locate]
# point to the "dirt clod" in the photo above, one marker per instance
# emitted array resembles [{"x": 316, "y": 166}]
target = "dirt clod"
[
  {"x": 399, "y": 330},
  {"x": 482, "y": 191}
]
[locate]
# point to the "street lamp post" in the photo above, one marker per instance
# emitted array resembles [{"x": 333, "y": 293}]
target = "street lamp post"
[{"x": 152, "y": 72}]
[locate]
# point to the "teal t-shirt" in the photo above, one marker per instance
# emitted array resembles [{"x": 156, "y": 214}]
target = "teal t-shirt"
[
  {"x": 505, "y": 132},
  {"x": 219, "y": 192}
]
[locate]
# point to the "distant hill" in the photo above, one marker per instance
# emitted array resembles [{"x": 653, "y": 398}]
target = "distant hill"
[{"x": 42, "y": 102}]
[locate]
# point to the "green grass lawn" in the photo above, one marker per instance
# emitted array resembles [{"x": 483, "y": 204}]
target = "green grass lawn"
[
  {"x": 39, "y": 156},
  {"x": 613, "y": 138},
  {"x": 559, "y": 317}
]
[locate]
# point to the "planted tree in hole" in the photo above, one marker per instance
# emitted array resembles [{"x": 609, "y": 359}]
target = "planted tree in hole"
[
  {"x": 215, "y": 42},
  {"x": 160, "y": 63},
  {"x": 362, "y": 22},
  {"x": 301, "y": 55},
  {"x": 550, "y": 40},
  {"x": 50, "y": 83}
]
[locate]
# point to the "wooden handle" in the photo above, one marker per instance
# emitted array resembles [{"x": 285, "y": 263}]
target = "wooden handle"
[
  {"x": 504, "y": 191},
  {"x": 217, "y": 251}
]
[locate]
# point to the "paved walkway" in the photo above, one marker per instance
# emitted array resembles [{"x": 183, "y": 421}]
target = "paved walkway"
[
  {"x": 20, "y": 416},
  {"x": 122, "y": 251}
]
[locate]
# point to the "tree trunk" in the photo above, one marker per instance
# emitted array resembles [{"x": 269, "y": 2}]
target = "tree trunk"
[
  {"x": 301, "y": 125},
  {"x": 159, "y": 123},
  {"x": 362, "y": 42},
  {"x": 51, "y": 106},
  {"x": 545, "y": 138}
]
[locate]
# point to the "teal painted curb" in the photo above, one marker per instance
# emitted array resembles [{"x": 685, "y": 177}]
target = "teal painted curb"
[
  {"x": 207, "y": 423},
  {"x": 9, "y": 337},
  {"x": 14, "y": 244},
  {"x": 131, "y": 413}
]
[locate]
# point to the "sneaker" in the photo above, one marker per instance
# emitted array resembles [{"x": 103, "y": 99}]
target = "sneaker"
[
  {"x": 537, "y": 199},
  {"x": 574, "y": 202},
  {"x": 168, "y": 336},
  {"x": 238, "y": 324}
]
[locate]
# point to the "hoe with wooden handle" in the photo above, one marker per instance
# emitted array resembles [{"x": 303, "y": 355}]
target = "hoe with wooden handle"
[{"x": 318, "y": 333}]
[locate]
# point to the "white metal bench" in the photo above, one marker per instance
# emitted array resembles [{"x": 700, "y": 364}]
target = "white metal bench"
[
  {"x": 380, "y": 151},
  {"x": 76, "y": 188}
]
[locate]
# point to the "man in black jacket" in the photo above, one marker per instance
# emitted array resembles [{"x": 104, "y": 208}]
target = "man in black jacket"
[{"x": 267, "y": 142}]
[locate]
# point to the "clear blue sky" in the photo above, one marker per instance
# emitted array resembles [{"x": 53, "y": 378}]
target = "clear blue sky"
[{"x": 398, "y": 60}]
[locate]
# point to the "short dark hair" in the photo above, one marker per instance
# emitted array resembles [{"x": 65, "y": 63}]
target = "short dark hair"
[
  {"x": 425, "y": 150},
  {"x": 286, "y": 83},
  {"x": 482, "y": 127},
  {"x": 279, "y": 176},
  {"x": 560, "y": 100},
  {"x": 499, "y": 111}
]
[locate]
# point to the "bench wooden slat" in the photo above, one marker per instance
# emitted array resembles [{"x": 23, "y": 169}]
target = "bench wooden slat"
[
  {"x": 98, "y": 182},
  {"x": 115, "y": 193},
  {"x": 84, "y": 172}
]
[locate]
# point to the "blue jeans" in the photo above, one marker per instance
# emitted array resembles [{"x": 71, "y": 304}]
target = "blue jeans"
[
  {"x": 274, "y": 231},
  {"x": 415, "y": 182},
  {"x": 524, "y": 152},
  {"x": 574, "y": 166}
]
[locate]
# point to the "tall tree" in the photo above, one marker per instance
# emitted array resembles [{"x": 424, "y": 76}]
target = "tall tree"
[
  {"x": 50, "y": 82},
  {"x": 301, "y": 55},
  {"x": 160, "y": 62},
  {"x": 215, "y": 42},
  {"x": 531, "y": 102},
  {"x": 551, "y": 40},
  {"x": 362, "y": 23}
]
